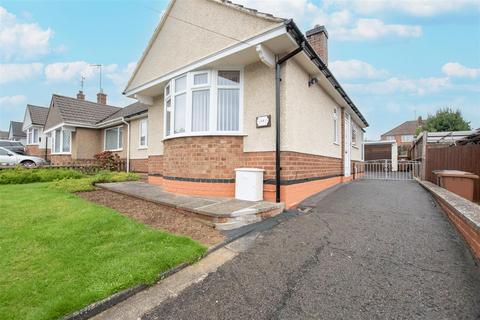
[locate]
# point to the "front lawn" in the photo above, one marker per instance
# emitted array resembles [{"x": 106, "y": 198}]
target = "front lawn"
[{"x": 59, "y": 252}]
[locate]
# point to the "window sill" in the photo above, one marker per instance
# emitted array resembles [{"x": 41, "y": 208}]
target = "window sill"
[
  {"x": 114, "y": 150},
  {"x": 336, "y": 143},
  {"x": 33, "y": 144},
  {"x": 354, "y": 146},
  {"x": 143, "y": 148},
  {"x": 213, "y": 134},
  {"x": 61, "y": 153}
]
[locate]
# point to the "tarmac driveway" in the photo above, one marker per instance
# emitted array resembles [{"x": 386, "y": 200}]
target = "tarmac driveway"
[{"x": 369, "y": 250}]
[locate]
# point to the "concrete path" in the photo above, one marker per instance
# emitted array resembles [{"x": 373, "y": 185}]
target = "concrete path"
[{"x": 369, "y": 250}]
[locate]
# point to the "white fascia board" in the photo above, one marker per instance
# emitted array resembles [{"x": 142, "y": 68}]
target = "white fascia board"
[
  {"x": 258, "y": 39},
  {"x": 68, "y": 126}
]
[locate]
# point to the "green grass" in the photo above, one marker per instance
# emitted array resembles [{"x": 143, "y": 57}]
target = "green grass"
[
  {"x": 59, "y": 252},
  {"x": 86, "y": 184}
]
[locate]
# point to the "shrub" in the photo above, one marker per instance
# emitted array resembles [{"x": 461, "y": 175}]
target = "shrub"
[
  {"x": 20, "y": 175},
  {"x": 108, "y": 160}
]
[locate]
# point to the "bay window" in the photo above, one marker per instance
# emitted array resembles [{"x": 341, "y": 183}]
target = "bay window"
[
  {"x": 204, "y": 102},
  {"x": 62, "y": 141},
  {"x": 114, "y": 139}
]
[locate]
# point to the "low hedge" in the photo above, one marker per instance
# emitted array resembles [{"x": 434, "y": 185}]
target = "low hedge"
[
  {"x": 87, "y": 184},
  {"x": 20, "y": 175}
]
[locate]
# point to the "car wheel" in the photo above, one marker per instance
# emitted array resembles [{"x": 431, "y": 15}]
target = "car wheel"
[{"x": 28, "y": 164}]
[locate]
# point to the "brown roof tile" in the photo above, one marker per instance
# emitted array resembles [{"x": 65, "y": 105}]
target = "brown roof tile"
[
  {"x": 408, "y": 127},
  {"x": 38, "y": 114}
]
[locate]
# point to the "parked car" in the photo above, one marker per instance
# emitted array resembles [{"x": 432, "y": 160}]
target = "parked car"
[
  {"x": 11, "y": 158},
  {"x": 14, "y": 146}
]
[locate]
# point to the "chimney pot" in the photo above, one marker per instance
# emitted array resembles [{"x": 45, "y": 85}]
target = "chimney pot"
[
  {"x": 419, "y": 121},
  {"x": 318, "y": 39},
  {"x": 101, "y": 98},
  {"x": 80, "y": 95}
]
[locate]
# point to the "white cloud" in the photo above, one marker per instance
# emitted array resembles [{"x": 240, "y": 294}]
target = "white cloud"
[
  {"x": 421, "y": 8},
  {"x": 12, "y": 100},
  {"x": 121, "y": 77},
  {"x": 68, "y": 71},
  {"x": 455, "y": 69},
  {"x": 372, "y": 29},
  {"x": 22, "y": 40},
  {"x": 393, "y": 85},
  {"x": 19, "y": 72},
  {"x": 356, "y": 69}
]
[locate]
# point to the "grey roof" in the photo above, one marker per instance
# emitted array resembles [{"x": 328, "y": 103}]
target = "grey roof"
[
  {"x": 82, "y": 111},
  {"x": 38, "y": 114},
  {"x": 16, "y": 129},
  {"x": 128, "y": 111},
  {"x": 408, "y": 127}
]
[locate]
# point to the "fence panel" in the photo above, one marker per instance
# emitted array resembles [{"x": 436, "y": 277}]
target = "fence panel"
[
  {"x": 385, "y": 170},
  {"x": 464, "y": 158}
]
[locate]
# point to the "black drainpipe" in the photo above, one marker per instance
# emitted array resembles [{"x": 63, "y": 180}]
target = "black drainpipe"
[{"x": 277, "y": 117}]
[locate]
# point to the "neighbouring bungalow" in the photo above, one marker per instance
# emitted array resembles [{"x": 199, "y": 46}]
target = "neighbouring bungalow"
[
  {"x": 33, "y": 122},
  {"x": 230, "y": 87},
  {"x": 80, "y": 129},
  {"x": 15, "y": 132}
]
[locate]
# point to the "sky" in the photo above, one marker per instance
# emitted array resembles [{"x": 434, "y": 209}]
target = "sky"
[{"x": 397, "y": 60}]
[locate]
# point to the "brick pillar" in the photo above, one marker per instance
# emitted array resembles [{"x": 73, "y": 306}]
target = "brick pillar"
[{"x": 101, "y": 98}]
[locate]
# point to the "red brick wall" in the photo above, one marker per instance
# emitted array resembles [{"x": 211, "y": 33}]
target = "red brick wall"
[
  {"x": 34, "y": 150},
  {"x": 139, "y": 165},
  {"x": 203, "y": 157},
  {"x": 218, "y": 157},
  {"x": 58, "y": 160},
  {"x": 155, "y": 165}
]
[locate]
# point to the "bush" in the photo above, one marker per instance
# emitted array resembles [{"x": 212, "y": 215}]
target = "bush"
[
  {"x": 20, "y": 175},
  {"x": 87, "y": 184},
  {"x": 108, "y": 160}
]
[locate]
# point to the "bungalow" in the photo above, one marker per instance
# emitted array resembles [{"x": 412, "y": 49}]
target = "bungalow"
[
  {"x": 79, "y": 129},
  {"x": 15, "y": 132},
  {"x": 230, "y": 87},
  {"x": 33, "y": 123}
]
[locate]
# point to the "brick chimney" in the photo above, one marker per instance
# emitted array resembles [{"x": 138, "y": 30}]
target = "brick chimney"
[
  {"x": 318, "y": 39},
  {"x": 80, "y": 95},
  {"x": 419, "y": 121},
  {"x": 101, "y": 98}
]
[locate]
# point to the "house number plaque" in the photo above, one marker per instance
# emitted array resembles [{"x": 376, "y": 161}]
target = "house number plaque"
[{"x": 264, "y": 121}]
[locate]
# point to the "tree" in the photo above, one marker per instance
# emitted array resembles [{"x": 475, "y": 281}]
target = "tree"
[{"x": 444, "y": 119}]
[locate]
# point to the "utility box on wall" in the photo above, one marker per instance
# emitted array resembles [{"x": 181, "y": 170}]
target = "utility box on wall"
[{"x": 249, "y": 184}]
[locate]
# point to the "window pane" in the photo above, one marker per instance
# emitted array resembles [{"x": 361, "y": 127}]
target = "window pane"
[
  {"x": 180, "y": 113},
  {"x": 35, "y": 135},
  {"x": 168, "y": 118},
  {"x": 200, "y": 78},
  {"x": 111, "y": 139},
  {"x": 167, "y": 90},
  {"x": 57, "y": 141},
  {"x": 181, "y": 84},
  {"x": 29, "y": 138},
  {"x": 228, "y": 109},
  {"x": 143, "y": 133},
  {"x": 66, "y": 141},
  {"x": 335, "y": 130},
  {"x": 228, "y": 78},
  {"x": 200, "y": 110},
  {"x": 120, "y": 137}
]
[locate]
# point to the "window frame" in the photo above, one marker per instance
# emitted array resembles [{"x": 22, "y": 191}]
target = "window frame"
[
  {"x": 408, "y": 138},
  {"x": 140, "y": 145},
  {"x": 354, "y": 135},
  {"x": 119, "y": 137},
  {"x": 54, "y": 141},
  {"x": 31, "y": 136},
  {"x": 212, "y": 86},
  {"x": 335, "y": 125}
]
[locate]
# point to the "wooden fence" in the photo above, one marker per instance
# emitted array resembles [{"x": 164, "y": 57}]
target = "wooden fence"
[{"x": 464, "y": 158}]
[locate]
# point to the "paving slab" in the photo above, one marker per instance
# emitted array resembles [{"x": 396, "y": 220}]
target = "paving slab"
[{"x": 214, "y": 207}]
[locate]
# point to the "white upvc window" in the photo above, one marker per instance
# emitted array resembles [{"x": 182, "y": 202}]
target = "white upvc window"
[
  {"x": 407, "y": 138},
  {"x": 143, "y": 133},
  {"x": 354, "y": 134},
  {"x": 335, "y": 125},
  {"x": 33, "y": 136},
  {"x": 62, "y": 141},
  {"x": 204, "y": 102},
  {"x": 113, "y": 140}
]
